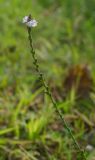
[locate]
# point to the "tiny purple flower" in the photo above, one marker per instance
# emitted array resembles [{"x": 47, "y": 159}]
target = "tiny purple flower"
[{"x": 29, "y": 22}]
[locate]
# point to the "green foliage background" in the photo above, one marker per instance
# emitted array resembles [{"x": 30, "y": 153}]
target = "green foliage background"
[{"x": 65, "y": 36}]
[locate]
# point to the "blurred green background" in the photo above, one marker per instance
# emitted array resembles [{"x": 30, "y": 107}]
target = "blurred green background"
[{"x": 64, "y": 37}]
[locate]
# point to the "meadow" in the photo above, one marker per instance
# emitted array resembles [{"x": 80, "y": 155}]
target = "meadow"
[{"x": 64, "y": 43}]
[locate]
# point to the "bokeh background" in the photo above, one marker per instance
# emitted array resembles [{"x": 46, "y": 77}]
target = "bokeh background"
[{"x": 64, "y": 41}]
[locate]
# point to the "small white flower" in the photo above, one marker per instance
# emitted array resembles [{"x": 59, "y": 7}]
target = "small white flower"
[
  {"x": 25, "y": 19},
  {"x": 29, "y": 22},
  {"x": 32, "y": 23}
]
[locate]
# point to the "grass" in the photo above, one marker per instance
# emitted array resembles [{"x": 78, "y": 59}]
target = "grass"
[{"x": 29, "y": 126}]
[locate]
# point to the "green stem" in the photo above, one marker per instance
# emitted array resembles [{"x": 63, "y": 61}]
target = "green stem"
[{"x": 48, "y": 92}]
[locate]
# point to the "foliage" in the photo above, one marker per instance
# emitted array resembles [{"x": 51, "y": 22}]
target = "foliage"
[{"x": 65, "y": 37}]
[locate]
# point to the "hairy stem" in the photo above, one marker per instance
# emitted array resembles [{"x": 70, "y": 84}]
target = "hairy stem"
[{"x": 48, "y": 92}]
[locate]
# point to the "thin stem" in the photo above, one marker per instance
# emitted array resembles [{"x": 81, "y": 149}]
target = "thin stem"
[{"x": 48, "y": 92}]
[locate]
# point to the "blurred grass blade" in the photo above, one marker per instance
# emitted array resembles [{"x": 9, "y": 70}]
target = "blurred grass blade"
[{"x": 5, "y": 131}]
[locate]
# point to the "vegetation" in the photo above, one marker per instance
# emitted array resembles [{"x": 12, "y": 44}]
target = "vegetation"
[{"x": 64, "y": 44}]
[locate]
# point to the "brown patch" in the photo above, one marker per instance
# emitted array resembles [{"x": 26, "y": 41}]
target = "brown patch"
[{"x": 79, "y": 78}]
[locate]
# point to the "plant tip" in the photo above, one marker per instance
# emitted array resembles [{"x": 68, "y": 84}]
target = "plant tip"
[{"x": 29, "y": 21}]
